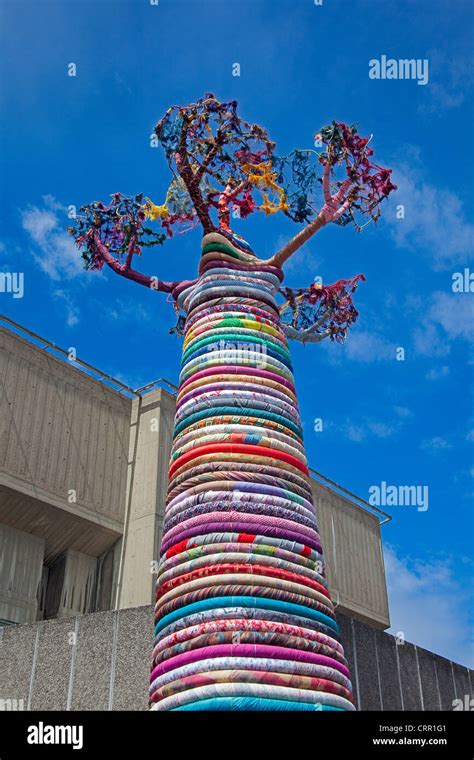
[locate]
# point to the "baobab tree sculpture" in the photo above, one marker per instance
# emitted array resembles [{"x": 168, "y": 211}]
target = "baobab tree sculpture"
[{"x": 243, "y": 615}]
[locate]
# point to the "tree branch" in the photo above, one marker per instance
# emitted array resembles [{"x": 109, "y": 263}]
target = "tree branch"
[
  {"x": 297, "y": 241},
  {"x": 218, "y": 140},
  {"x": 308, "y": 335},
  {"x": 326, "y": 188},
  {"x": 131, "y": 274},
  {"x": 334, "y": 207},
  {"x": 192, "y": 180},
  {"x": 131, "y": 251},
  {"x": 322, "y": 319},
  {"x": 223, "y": 202}
]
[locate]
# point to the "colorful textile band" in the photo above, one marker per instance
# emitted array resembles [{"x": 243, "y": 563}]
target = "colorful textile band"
[{"x": 243, "y": 615}]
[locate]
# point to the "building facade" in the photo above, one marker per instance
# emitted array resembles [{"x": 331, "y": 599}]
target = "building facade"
[{"x": 83, "y": 475}]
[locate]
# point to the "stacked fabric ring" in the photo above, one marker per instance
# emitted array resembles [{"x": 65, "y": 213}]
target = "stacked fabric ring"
[{"x": 243, "y": 616}]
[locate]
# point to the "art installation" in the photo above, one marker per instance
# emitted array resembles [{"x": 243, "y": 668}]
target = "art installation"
[{"x": 243, "y": 615}]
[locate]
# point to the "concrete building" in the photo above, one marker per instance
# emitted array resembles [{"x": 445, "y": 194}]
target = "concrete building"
[
  {"x": 83, "y": 473},
  {"x": 83, "y": 476}
]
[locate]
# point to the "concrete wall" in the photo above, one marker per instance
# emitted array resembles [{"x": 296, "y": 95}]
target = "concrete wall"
[
  {"x": 353, "y": 550},
  {"x": 149, "y": 452},
  {"x": 61, "y": 431},
  {"x": 100, "y": 662},
  {"x": 63, "y": 473},
  {"x": 21, "y": 566}
]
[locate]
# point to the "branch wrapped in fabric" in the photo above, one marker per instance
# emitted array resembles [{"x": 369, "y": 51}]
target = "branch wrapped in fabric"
[
  {"x": 368, "y": 184},
  {"x": 120, "y": 227},
  {"x": 114, "y": 234},
  {"x": 213, "y": 150},
  {"x": 311, "y": 314}
]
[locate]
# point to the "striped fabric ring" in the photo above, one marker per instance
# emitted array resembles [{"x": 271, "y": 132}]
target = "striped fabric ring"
[{"x": 243, "y": 615}]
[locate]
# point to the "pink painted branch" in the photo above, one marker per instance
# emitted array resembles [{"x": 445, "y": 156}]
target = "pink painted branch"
[
  {"x": 131, "y": 251},
  {"x": 224, "y": 201},
  {"x": 333, "y": 209},
  {"x": 326, "y": 188},
  {"x": 131, "y": 274},
  {"x": 297, "y": 241},
  {"x": 237, "y": 190}
]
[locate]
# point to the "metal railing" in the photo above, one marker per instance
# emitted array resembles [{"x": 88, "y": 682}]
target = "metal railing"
[
  {"x": 47, "y": 345},
  {"x": 356, "y": 500}
]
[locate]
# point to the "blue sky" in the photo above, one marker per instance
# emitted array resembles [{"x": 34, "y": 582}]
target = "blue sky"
[{"x": 69, "y": 140}]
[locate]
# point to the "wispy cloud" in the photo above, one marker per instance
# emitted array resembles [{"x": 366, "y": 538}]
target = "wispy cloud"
[
  {"x": 127, "y": 310},
  {"x": 367, "y": 429},
  {"x": 435, "y": 219},
  {"x": 451, "y": 80},
  {"x": 359, "y": 430},
  {"x": 364, "y": 346},
  {"x": 72, "y": 310},
  {"x": 437, "y": 373},
  {"x": 454, "y": 312},
  {"x": 428, "y": 341},
  {"x": 425, "y": 596},
  {"x": 436, "y": 445},
  {"x": 403, "y": 412},
  {"x": 53, "y": 249},
  {"x": 449, "y": 316}
]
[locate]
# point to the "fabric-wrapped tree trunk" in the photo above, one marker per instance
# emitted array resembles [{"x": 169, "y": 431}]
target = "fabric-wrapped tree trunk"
[{"x": 243, "y": 615}]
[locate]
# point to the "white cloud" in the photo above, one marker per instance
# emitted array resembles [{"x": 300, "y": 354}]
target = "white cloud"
[
  {"x": 127, "y": 310},
  {"x": 455, "y": 313},
  {"x": 451, "y": 79},
  {"x": 51, "y": 202},
  {"x": 427, "y": 341},
  {"x": 403, "y": 412},
  {"x": 358, "y": 431},
  {"x": 54, "y": 250},
  {"x": 72, "y": 310},
  {"x": 425, "y": 597},
  {"x": 449, "y": 316},
  {"x": 435, "y": 219},
  {"x": 367, "y": 429},
  {"x": 437, "y": 372},
  {"x": 436, "y": 444},
  {"x": 368, "y": 347},
  {"x": 380, "y": 429}
]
